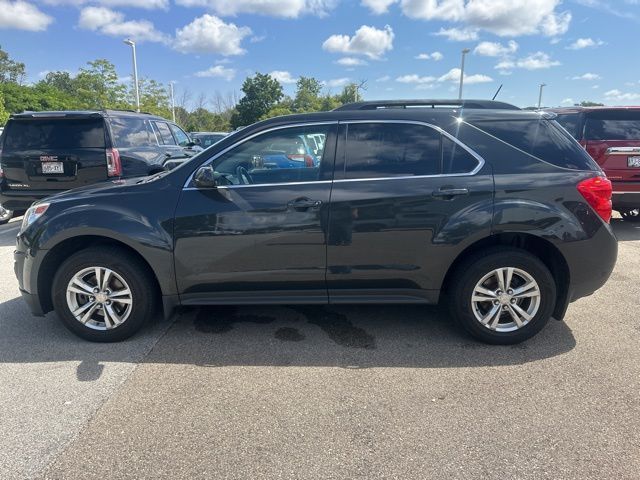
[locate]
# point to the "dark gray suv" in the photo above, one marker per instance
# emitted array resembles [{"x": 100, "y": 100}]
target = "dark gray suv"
[{"x": 497, "y": 212}]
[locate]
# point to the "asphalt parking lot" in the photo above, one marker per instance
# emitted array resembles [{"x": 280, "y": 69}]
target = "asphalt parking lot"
[{"x": 314, "y": 392}]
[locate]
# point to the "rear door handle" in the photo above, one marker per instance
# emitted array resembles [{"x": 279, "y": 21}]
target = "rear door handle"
[
  {"x": 446, "y": 192},
  {"x": 301, "y": 204}
]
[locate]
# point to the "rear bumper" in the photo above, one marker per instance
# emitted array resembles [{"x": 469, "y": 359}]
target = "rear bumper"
[
  {"x": 625, "y": 200},
  {"x": 22, "y": 199}
]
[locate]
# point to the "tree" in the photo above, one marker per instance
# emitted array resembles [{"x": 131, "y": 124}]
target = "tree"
[
  {"x": 63, "y": 81},
  {"x": 586, "y": 103},
  {"x": 11, "y": 71},
  {"x": 98, "y": 87},
  {"x": 154, "y": 98},
  {"x": 261, "y": 93},
  {"x": 4, "y": 115},
  {"x": 307, "y": 95}
]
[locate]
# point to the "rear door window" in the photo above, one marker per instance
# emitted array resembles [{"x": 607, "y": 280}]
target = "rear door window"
[
  {"x": 541, "y": 138},
  {"x": 381, "y": 150},
  {"x": 131, "y": 132},
  {"x": 613, "y": 125},
  {"x": 456, "y": 159},
  {"x": 54, "y": 134},
  {"x": 166, "y": 138}
]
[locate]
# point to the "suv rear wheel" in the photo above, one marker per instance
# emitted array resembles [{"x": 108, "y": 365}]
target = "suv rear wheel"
[
  {"x": 103, "y": 294},
  {"x": 503, "y": 296},
  {"x": 5, "y": 215},
  {"x": 632, "y": 215}
]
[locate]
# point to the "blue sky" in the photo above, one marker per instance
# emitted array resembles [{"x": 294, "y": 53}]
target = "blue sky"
[{"x": 582, "y": 49}]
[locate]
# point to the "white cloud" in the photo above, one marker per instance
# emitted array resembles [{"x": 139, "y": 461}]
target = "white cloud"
[
  {"x": 619, "y": 96},
  {"x": 218, "y": 71},
  {"x": 113, "y": 23},
  {"x": 587, "y": 76},
  {"x": 495, "y": 49},
  {"x": 337, "y": 82},
  {"x": 458, "y": 34},
  {"x": 501, "y": 17},
  {"x": 22, "y": 16},
  {"x": 567, "y": 101},
  {"x": 367, "y": 41},
  {"x": 414, "y": 78},
  {"x": 283, "y": 76},
  {"x": 146, "y": 4},
  {"x": 385, "y": 78},
  {"x": 378, "y": 6},
  {"x": 453, "y": 75},
  {"x": 274, "y": 8},
  {"x": 351, "y": 62},
  {"x": 435, "y": 56},
  {"x": 581, "y": 43},
  {"x": 209, "y": 34},
  {"x": 535, "y": 61}
]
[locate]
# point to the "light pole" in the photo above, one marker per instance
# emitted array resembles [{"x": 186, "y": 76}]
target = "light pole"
[
  {"x": 173, "y": 102},
  {"x": 542, "y": 85},
  {"x": 464, "y": 54},
  {"x": 132, "y": 44}
]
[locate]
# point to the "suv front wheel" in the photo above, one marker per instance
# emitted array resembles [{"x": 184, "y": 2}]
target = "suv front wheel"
[
  {"x": 502, "y": 296},
  {"x": 103, "y": 294}
]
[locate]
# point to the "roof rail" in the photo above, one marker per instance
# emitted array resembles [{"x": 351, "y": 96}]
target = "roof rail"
[{"x": 401, "y": 104}]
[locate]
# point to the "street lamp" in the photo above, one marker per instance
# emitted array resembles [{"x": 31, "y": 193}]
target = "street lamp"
[
  {"x": 132, "y": 44},
  {"x": 173, "y": 102},
  {"x": 464, "y": 53},
  {"x": 542, "y": 85}
]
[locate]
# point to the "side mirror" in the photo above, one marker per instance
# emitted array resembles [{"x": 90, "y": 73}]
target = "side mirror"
[{"x": 206, "y": 177}]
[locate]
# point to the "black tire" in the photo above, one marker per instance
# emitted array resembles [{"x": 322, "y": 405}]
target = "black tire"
[
  {"x": 5, "y": 215},
  {"x": 471, "y": 271},
  {"x": 127, "y": 266},
  {"x": 632, "y": 216}
]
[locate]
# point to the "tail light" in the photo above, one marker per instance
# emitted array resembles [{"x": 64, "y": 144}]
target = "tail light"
[
  {"x": 307, "y": 159},
  {"x": 114, "y": 165},
  {"x": 597, "y": 192}
]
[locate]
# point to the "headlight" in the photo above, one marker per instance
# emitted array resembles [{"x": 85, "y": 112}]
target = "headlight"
[{"x": 34, "y": 213}]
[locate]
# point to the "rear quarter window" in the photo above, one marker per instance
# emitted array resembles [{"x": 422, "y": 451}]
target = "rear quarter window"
[
  {"x": 541, "y": 138},
  {"x": 613, "y": 125},
  {"x": 571, "y": 123},
  {"x": 54, "y": 134},
  {"x": 131, "y": 132}
]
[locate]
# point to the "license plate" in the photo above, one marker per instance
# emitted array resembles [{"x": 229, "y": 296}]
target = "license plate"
[
  {"x": 633, "y": 162},
  {"x": 52, "y": 167}
]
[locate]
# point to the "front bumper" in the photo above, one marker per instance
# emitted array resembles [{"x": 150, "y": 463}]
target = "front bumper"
[{"x": 24, "y": 266}]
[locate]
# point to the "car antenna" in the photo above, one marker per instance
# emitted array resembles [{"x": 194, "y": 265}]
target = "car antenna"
[{"x": 497, "y": 91}]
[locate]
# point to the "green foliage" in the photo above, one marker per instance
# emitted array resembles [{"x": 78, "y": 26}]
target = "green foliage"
[
  {"x": 261, "y": 93},
  {"x": 11, "y": 71},
  {"x": 349, "y": 94},
  {"x": 4, "y": 115},
  {"x": 586, "y": 103},
  {"x": 307, "y": 97}
]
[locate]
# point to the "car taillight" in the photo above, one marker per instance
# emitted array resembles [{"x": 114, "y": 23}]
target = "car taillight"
[
  {"x": 597, "y": 192},
  {"x": 307, "y": 159},
  {"x": 114, "y": 166}
]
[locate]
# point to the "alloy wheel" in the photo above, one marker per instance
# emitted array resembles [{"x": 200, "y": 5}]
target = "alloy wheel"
[
  {"x": 505, "y": 299},
  {"x": 99, "y": 298}
]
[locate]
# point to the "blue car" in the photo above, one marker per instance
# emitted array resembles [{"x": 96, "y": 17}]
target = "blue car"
[{"x": 294, "y": 152}]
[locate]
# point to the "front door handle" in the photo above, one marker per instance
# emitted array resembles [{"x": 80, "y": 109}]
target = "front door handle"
[
  {"x": 448, "y": 193},
  {"x": 301, "y": 204}
]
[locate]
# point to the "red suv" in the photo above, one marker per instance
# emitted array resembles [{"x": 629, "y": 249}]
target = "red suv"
[{"x": 611, "y": 135}]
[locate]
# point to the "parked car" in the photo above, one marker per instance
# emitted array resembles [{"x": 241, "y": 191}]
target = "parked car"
[
  {"x": 498, "y": 212},
  {"x": 206, "y": 139},
  {"x": 611, "y": 135},
  {"x": 47, "y": 152}
]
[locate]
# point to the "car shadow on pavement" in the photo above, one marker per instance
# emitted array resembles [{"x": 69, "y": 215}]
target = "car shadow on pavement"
[
  {"x": 405, "y": 336},
  {"x": 625, "y": 231}
]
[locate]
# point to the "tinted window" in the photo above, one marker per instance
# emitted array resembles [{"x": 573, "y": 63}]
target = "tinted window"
[
  {"x": 543, "y": 139},
  {"x": 275, "y": 157},
  {"x": 165, "y": 134},
  {"x": 378, "y": 150},
  {"x": 571, "y": 123},
  {"x": 613, "y": 125},
  {"x": 208, "y": 140},
  {"x": 181, "y": 137},
  {"x": 54, "y": 134},
  {"x": 456, "y": 159},
  {"x": 132, "y": 132}
]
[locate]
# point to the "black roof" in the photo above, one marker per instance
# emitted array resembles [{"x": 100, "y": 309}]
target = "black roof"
[{"x": 82, "y": 113}]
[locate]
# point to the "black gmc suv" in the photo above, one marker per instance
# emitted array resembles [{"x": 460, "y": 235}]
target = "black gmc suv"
[
  {"x": 496, "y": 211},
  {"x": 43, "y": 153}
]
